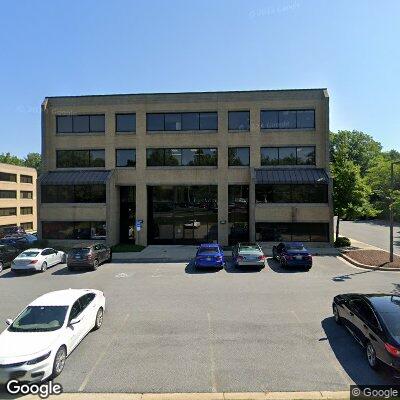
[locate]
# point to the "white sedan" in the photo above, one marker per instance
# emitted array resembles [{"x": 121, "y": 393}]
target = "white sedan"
[
  {"x": 36, "y": 344},
  {"x": 38, "y": 260}
]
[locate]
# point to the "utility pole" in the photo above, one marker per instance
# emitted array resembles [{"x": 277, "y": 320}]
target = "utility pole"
[{"x": 391, "y": 206}]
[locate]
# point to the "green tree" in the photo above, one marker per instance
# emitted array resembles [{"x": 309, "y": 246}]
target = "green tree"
[
  {"x": 350, "y": 191},
  {"x": 357, "y": 146},
  {"x": 7, "y": 158},
  {"x": 33, "y": 160}
]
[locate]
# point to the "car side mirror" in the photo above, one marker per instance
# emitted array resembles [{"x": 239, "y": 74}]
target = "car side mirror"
[
  {"x": 9, "y": 321},
  {"x": 74, "y": 321}
]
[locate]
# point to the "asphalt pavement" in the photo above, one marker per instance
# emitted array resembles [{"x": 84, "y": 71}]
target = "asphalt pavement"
[{"x": 170, "y": 328}]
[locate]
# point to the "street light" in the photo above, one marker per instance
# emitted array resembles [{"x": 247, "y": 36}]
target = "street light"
[{"x": 391, "y": 207}]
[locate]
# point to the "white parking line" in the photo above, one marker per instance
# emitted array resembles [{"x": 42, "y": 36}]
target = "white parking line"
[
  {"x": 212, "y": 356},
  {"x": 102, "y": 354}
]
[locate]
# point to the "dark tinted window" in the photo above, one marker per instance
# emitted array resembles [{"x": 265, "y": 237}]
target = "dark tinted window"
[
  {"x": 6, "y": 177},
  {"x": 74, "y": 230},
  {"x": 209, "y": 121},
  {"x": 208, "y": 250},
  {"x": 190, "y": 121},
  {"x": 288, "y": 155},
  {"x": 287, "y": 119},
  {"x": 392, "y": 322},
  {"x": 8, "y": 211},
  {"x": 97, "y": 158},
  {"x": 27, "y": 225},
  {"x": 25, "y": 194},
  {"x": 173, "y": 122},
  {"x": 26, "y": 179},
  {"x": 239, "y": 156},
  {"x": 125, "y": 122},
  {"x": 64, "y": 123},
  {"x": 173, "y": 157},
  {"x": 239, "y": 120},
  {"x": 306, "y": 155},
  {"x": 26, "y": 210},
  {"x": 126, "y": 158},
  {"x": 305, "y": 119},
  {"x": 305, "y": 193},
  {"x": 182, "y": 157},
  {"x": 8, "y": 194},
  {"x": 155, "y": 157},
  {"x": 76, "y": 309},
  {"x": 81, "y": 123},
  {"x": 96, "y": 123},
  {"x": 269, "y": 119},
  {"x": 80, "y": 158},
  {"x": 286, "y": 232},
  {"x": 155, "y": 122},
  {"x": 269, "y": 156},
  {"x": 86, "y": 299}
]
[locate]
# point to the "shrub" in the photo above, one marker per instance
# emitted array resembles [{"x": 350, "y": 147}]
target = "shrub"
[{"x": 342, "y": 242}]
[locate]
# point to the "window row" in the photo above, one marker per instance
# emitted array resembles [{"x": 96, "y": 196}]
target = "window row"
[
  {"x": 12, "y": 194},
  {"x": 182, "y": 157},
  {"x": 74, "y": 230},
  {"x": 237, "y": 156},
  {"x": 27, "y": 225},
  {"x": 7, "y": 177},
  {"x": 304, "y": 193},
  {"x": 288, "y": 155},
  {"x": 187, "y": 121},
  {"x": 292, "y": 232},
  {"x": 10, "y": 211},
  {"x": 73, "y": 194}
]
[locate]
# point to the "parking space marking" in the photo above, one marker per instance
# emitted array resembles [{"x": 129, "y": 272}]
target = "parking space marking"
[
  {"x": 102, "y": 354},
  {"x": 212, "y": 355}
]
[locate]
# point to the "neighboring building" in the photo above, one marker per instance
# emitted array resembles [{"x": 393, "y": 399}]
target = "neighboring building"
[
  {"x": 194, "y": 167},
  {"x": 17, "y": 197}
]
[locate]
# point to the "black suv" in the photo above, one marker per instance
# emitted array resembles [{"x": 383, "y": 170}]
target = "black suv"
[
  {"x": 88, "y": 256},
  {"x": 7, "y": 255}
]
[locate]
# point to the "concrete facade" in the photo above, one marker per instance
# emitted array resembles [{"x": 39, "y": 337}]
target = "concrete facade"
[
  {"x": 141, "y": 176},
  {"x": 19, "y": 202}
]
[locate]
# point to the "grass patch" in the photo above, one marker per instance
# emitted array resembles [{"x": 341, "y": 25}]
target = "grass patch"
[{"x": 127, "y": 248}]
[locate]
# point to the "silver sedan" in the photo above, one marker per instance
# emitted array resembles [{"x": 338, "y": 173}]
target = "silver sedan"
[{"x": 248, "y": 254}]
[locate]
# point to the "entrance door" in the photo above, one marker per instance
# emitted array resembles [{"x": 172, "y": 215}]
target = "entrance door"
[{"x": 127, "y": 214}]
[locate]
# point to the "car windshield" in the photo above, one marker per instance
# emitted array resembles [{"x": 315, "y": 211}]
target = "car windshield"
[
  {"x": 249, "y": 247},
  {"x": 28, "y": 254},
  {"x": 295, "y": 247},
  {"x": 40, "y": 319},
  {"x": 81, "y": 252},
  {"x": 208, "y": 250}
]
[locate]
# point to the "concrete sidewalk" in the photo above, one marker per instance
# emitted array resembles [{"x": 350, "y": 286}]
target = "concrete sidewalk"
[{"x": 184, "y": 253}]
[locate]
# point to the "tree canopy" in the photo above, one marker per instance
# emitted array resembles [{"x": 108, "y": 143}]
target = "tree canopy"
[{"x": 33, "y": 160}]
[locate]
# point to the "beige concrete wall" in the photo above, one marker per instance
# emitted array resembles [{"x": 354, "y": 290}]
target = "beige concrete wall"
[
  {"x": 292, "y": 213},
  {"x": 222, "y": 102},
  {"x": 19, "y": 202}
]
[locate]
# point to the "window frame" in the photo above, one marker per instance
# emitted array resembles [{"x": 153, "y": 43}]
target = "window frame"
[
  {"x": 125, "y": 166},
  {"x": 181, "y": 165},
  {"x": 89, "y": 158},
  {"x": 238, "y": 129},
  {"x": 296, "y": 147},
  {"x": 181, "y": 113},
  {"x": 116, "y": 122},
  {"x": 23, "y": 176},
  {"x": 230, "y": 148},
  {"x": 73, "y": 132},
  {"x": 29, "y": 192},
  {"x": 278, "y": 111}
]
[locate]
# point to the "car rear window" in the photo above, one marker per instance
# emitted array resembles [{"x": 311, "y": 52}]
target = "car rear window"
[
  {"x": 392, "y": 322},
  {"x": 295, "y": 247},
  {"x": 28, "y": 254},
  {"x": 82, "y": 251},
  {"x": 249, "y": 248},
  {"x": 208, "y": 250}
]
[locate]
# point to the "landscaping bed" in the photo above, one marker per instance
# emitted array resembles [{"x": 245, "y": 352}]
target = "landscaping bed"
[{"x": 373, "y": 258}]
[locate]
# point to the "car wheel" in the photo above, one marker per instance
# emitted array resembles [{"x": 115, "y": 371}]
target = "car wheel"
[
  {"x": 59, "y": 361},
  {"x": 95, "y": 265},
  {"x": 371, "y": 356},
  {"x": 336, "y": 315},
  {"x": 1, "y": 266},
  {"x": 99, "y": 319},
  {"x": 44, "y": 267}
]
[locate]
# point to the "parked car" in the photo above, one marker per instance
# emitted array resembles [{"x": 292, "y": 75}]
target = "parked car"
[
  {"x": 209, "y": 255},
  {"x": 21, "y": 242},
  {"x": 292, "y": 254},
  {"x": 7, "y": 255},
  {"x": 248, "y": 255},
  {"x": 37, "y": 343},
  {"x": 374, "y": 321},
  {"x": 37, "y": 260},
  {"x": 12, "y": 231},
  {"x": 88, "y": 256}
]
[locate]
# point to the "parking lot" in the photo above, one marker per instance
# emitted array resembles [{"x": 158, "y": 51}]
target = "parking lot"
[{"x": 170, "y": 328}]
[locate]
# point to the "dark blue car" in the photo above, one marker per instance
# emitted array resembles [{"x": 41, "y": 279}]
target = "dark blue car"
[
  {"x": 209, "y": 255},
  {"x": 292, "y": 254}
]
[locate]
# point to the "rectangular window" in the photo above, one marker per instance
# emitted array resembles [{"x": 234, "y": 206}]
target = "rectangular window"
[
  {"x": 80, "y": 123},
  {"x": 8, "y": 194},
  {"x": 27, "y": 225},
  {"x": 95, "y": 193},
  {"x": 26, "y": 179},
  {"x": 80, "y": 158},
  {"x": 187, "y": 121},
  {"x": 125, "y": 157},
  {"x": 182, "y": 157},
  {"x": 288, "y": 155},
  {"x": 125, "y": 122},
  {"x": 239, "y": 156},
  {"x": 26, "y": 210},
  {"x": 282, "y": 231},
  {"x": 74, "y": 230},
  {"x": 294, "y": 193},
  {"x": 25, "y": 194},
  {"x": 239, "y": 120},
  {"x": 7, "y": 212},
  {"x": 287, "y": 119},
  {"x": 6, "y": 177}
]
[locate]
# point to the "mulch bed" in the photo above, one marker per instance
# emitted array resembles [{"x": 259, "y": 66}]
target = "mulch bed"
[{"x": 377, "y": 258}]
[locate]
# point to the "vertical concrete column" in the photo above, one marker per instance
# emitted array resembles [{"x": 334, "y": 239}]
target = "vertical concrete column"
[
  {"x": 223, "y": 228},
  {"x": 141, "y": 188},
  {"x": 112, "y": 210},
  {"x": 109, "y": 139},
  {"x": 252, "y": 206}
]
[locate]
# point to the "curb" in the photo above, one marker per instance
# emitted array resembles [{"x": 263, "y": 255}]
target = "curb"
[
  {"x": 365, "y": 266},
  {"x": 320, "y": 395}
]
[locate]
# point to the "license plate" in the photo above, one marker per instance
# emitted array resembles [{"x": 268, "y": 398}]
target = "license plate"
[
  {"x": 78, "y": 257},
  {"x": 208, "y": 258},
  {"x": 299, "y": 257}
]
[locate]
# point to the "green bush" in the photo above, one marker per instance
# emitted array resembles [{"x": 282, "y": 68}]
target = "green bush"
[{"x": 342, "y": 242}]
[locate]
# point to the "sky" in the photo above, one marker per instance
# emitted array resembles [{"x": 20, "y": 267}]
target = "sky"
[{"x": 56, "y": 48}]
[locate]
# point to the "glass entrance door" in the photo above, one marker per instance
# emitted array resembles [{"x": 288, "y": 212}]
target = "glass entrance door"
[{"x": 127, "y": 214}]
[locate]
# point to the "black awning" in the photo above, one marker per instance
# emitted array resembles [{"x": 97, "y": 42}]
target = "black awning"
[
  {"x": 74, "y": 177},
  {"x": 291, "y": 175}
]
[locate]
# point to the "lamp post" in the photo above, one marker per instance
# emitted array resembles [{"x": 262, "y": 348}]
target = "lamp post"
[{"x": 391, "y": 207}]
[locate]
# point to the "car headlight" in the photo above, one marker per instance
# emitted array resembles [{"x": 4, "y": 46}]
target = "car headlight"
[{"x": 39, "y": 359}]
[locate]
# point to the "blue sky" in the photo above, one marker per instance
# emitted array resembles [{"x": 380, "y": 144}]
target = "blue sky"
[{"x": 51, "y": 48}]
